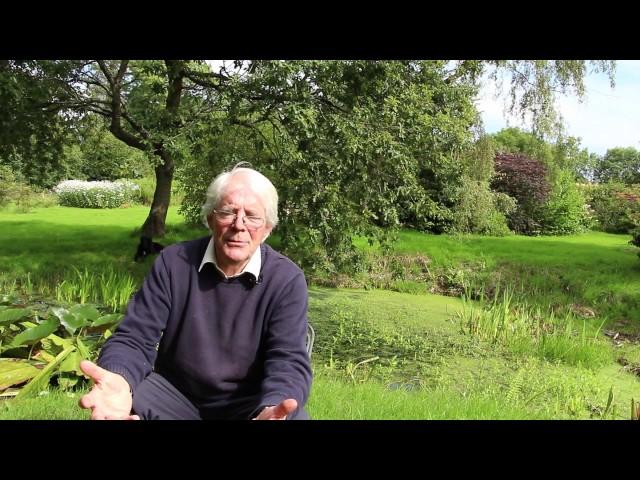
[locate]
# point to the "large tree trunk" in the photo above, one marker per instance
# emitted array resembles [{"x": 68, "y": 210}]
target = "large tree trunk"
[{"x": 154, "y": 225}]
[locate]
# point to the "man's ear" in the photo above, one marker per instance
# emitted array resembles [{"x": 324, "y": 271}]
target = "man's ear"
[{"x": 210, "y": 221}]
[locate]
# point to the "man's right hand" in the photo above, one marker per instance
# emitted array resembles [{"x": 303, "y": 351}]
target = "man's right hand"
[{"x": 110, "y": 398}]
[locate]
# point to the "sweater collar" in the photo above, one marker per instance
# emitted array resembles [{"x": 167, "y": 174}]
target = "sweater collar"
[{"x": 253, "y": 267}]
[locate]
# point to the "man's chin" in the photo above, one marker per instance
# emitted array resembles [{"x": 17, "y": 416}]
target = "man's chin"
[{"x": 236, "y": 253}]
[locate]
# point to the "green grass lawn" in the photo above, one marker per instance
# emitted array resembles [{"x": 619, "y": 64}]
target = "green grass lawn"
[
  {"x": 596, "y": 270},
  {"x": 381, "y": 354},
  {"x": 47, "y": 243}
]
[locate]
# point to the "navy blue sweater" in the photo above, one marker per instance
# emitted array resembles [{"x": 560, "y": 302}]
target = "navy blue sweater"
[{"x": 230, "y": 345}]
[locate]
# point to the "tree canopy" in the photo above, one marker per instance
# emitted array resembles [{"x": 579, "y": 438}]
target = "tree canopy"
[
  {"x": 354, "y": 147},
  {"x": 620, "y": 165}
]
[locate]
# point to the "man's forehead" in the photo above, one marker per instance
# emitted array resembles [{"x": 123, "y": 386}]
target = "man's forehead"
[{"x": 241, "y": 193}]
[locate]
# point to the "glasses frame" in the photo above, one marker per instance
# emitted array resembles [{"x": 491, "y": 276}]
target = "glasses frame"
[{"x": 235, "y": 219}]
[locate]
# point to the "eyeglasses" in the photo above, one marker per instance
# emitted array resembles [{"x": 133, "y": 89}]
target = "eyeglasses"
[{"x": 227, "y": 218}]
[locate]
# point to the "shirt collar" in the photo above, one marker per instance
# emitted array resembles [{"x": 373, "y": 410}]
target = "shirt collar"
[{"x": 253, "y": 267}]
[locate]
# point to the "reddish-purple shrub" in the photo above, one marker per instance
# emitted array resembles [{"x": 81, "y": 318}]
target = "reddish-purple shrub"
[{"x": 524, "y": 179}]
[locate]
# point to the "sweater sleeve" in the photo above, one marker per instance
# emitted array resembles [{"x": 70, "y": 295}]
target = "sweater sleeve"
[
  {"x": 287, "y": 369},
  {"x": 131, "y": 351}
]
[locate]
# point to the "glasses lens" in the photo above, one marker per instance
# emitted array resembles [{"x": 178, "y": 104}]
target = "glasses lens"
[
  {"x": 227, "y": 218},
  {"x": 253, "y": 222}
]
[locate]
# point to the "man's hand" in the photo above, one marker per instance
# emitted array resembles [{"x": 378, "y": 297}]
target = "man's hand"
[
  {"x": 278, "y": 412},
  {"x": 110, "y": 398}
]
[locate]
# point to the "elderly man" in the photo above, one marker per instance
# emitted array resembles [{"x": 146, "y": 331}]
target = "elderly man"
[{"x": 217, "y": 330}]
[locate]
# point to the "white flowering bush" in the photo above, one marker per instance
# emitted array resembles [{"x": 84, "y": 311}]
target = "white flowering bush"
[
  {"x": 101, "y": 194},
  {"x": 131, "y": 190}
]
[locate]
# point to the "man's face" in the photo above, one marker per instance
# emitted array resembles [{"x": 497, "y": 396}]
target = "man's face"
[{"x": 235, "y": 243}]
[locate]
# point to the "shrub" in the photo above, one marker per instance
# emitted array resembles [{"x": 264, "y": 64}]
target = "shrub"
[
  {"x": 616, "y": 207},
  {"x": 524, "y": 179},
  {"x": 479, "y": 210},
  {"x": 22, "y": 195},
  {"x": 565, "y": 211},
  {"x": 8, "y": 185},
  {"x": 78, "y": 193}
]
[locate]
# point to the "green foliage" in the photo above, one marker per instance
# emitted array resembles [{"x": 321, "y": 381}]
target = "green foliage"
[
  {"x": 635, "y": 238},
  {"x": 380, "y": 148},
  {"x": 568, "y": 156},
  {"x": 108, "y": 287},
  {"x": 355, "y": 147},
  {"x": 32, "y": 135},
  {"x": 564, "y": 154},
  {"x": 147, "y": 188},
  {"x": 524, "y": 329},
  {"x": 476, "y": 208},
  {"x": 54, "y": 339},
  {"x": 376, "y": 166},
  {"x": 49, "y": 404},
  {"x": 565, "y": 211},
  {"x": 514, "y": 140},
  {"x": 23, "y": 196},
  {"x": 619, "y": 165},
  {"x": 615, "y": 207},
  {"x": 93, "y": 153},
  {"x": 479, "y": 210},
  {"x": 217, "y": 148}
]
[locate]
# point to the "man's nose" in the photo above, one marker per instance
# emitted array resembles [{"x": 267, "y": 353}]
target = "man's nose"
[{"x": 238, "y": 222}]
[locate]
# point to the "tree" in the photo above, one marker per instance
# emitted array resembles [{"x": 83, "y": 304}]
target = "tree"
[
  {"x": 514, "y": 140},
  {"x": 564, "y": 153},
  {"x": 620, "y": 165},
  {"x": 355, "y": 146},
  {"x": 31, "y": 135},
  {"x": 568, "y": 156},
  {"x": 366, "y": 147},
  {"x": 536, "y": 84},
  {"x": 93, "y": 153}
]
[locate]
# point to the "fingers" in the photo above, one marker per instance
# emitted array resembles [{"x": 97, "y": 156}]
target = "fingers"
[
  {"x": 92, "y": 370},
  {"x": 280, "y": 411},
  {"x": 285, "y": 408},
  {"x": 86, "y": 401},
  {"x": 97, "y": 416},
  {"x": 126, "y": 417}
]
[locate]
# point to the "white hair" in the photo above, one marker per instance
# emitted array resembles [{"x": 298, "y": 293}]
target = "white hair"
[{"x": 258, "y": 183}]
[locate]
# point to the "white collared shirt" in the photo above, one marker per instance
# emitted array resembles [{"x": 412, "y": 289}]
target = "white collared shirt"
[{"x": 253, "y": 267}]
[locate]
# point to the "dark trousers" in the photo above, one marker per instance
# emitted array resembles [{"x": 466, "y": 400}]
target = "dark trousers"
[{"x": 157, "y": 399}]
